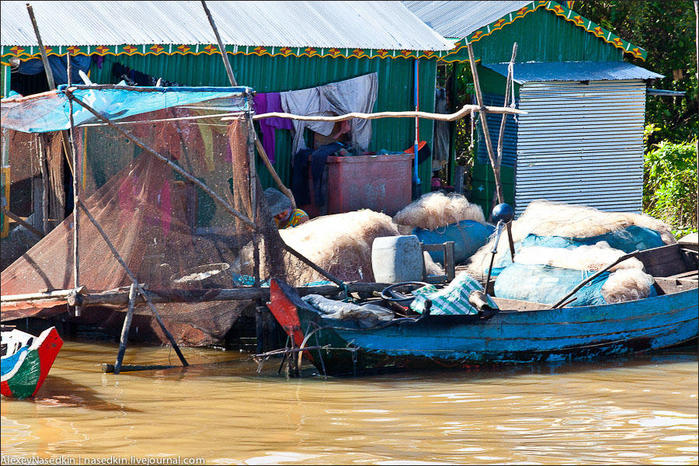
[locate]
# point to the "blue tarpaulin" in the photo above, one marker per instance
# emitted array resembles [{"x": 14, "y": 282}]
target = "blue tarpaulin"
[{"x": 49, "y": 111}]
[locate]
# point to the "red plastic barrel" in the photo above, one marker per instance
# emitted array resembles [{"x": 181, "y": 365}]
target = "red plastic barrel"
[{"x": 377, "y": 182}]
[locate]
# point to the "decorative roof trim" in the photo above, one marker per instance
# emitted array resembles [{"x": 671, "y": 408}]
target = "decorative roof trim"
[
  {"x": 28, "y": 52},
  {"x": 560, "y": 11}
]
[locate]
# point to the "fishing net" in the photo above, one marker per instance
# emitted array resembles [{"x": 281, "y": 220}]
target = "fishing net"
[{"x": 171, "y": 233}]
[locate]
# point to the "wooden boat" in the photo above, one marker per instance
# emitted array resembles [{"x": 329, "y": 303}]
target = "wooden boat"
[
  {"x": 520, "y": 332},
  {"x": 26, "y": 361}
]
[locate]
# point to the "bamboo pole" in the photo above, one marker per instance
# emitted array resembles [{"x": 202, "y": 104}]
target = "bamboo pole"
[
  {"x": 120, "y": 297},
  {"x": 503, "y": 122},
  {"x": 226, "y": 63},
  {"x": 43, "y": 169},
  {"x": 265, "y": 159},
  {"x": 484, "y": 124},
  {"x": 125, "y": 329},
  {"x": 231, "y": 78},
  {"x": 176, "y": 168},
  {"x": 116, "y": 255},
  {"x": 76, "y": 198},
  {"x": 462, "y": 112},
  {"x": 42, "y": 49},
  {"x": 508, "y": 85}
]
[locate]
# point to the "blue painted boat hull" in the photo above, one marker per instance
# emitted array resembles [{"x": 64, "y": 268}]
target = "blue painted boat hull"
[{"x": 508, "y": 337}]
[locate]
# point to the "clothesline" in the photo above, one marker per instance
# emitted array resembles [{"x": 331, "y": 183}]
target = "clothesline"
[
  {"x": 465, "y": 110},
  {"x": 191, "y": 117}
]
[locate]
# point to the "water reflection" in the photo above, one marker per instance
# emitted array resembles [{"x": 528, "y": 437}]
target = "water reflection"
[{"x": 634, "y": 410}]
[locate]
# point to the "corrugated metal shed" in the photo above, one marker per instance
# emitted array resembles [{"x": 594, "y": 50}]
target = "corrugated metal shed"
[
  {"x": 458, "y": 19},
  {"x": 574, "y": 71},
  {"x": 581, "y": 144},
  {"x": 375, "y": 25}
]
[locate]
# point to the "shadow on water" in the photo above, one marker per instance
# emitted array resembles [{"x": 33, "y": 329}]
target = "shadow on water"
[
  {"x": 62, "y": 392},
  {"x": 244, "y": 367}
]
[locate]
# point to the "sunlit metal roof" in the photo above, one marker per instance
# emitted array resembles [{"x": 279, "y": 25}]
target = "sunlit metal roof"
[
  {"x": 370, "y": 25},
  {"x": 458, "y": 19},
  {"x": 574, "y": 71}
]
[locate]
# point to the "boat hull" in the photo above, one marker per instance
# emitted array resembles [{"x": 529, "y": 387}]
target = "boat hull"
[
  {"x": 24, "y": 372},
  {"x": 508, "y": 337}
]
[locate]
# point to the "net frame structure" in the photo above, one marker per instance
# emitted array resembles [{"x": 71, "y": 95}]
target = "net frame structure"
[{"x": 248, "y": 212}]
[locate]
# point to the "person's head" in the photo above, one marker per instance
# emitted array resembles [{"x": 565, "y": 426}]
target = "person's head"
[
  {"x": 279, "y": 205},
  {"x": 283, "y": 215}
]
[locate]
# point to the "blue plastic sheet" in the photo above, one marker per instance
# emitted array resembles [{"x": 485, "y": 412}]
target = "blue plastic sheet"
[
  {"x": 49, "y": 111},
  {"x": 547, "y": 285},
  {"x": 468, "y": 236},
  {"x": 628, "y": 239}
]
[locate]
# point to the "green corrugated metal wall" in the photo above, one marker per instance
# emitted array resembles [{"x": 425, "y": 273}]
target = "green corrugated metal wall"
[
  {"x": 267, "y": 74},
  {"x": 541, "y": 36}
]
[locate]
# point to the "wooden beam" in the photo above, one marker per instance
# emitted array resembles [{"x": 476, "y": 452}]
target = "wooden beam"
[{"x": 26, "y": 225}]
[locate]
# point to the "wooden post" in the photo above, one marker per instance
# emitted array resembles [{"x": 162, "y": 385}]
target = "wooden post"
[
  {"x": 125, "y": 329},
  {"x": 42, "y": 49},
  {"x": 226, "y": 63},
  {"x": 116, "y": 255},
  {"x": 178, "y": 169},
  {"x": 43, "y": 169},
  {"x": 484, "y": 124},
  {"x": 449, "y": 265}
]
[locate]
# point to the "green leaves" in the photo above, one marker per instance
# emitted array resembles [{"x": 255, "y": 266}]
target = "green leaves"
[{"x": 670, "y": 184}]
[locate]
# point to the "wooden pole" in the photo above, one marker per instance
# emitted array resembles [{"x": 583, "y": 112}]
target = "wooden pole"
[
  {"x": 265, "y": 159},
  {"x": 226, "y": 63},
  {"x": 42, "y": 49},
  {"x": 116, "y": 255},
  {"x": 119, "y": 297},
  {"x": 76, "y": 177},
  {"x": 465, "y": 110},
  {"x": 43, "y": 169},
  {"x": 125, "y": 329},
  {"x": 318, "y": 269},
  {"x": 176, "y": 168},
  {"x": 484, "y": 124},
  {"x": 503, "y": 121},
  {"x": 564, "y": 299}
]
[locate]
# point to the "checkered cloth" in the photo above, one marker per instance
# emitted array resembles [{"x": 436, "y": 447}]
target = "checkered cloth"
[{"x": 451, "y": 300}]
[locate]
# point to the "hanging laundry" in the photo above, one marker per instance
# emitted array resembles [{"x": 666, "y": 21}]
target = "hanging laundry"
[
  {"x": 351, "y": 95},
  {"x": 268, "y": 103},
  {"x": 137, "y": 78}
]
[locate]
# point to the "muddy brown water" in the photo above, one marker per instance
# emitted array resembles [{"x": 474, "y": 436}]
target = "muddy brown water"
[{"x": 638, "y": 410}]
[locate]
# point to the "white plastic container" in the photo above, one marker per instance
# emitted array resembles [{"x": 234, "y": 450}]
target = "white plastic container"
[{"x": 397, "y": 259}]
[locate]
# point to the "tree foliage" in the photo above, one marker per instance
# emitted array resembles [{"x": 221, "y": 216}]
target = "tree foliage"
[{"x": 666, "y": 29}]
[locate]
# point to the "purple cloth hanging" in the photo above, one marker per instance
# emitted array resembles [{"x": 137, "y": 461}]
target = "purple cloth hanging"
[{"x": 267, "y": 103}]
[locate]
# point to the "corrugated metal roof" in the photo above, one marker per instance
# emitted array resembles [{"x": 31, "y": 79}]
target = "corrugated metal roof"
[
  {"x": 459, "y": 19},
  {"x": 574, "y": 71},
  {"x": 368, "y": 24}
]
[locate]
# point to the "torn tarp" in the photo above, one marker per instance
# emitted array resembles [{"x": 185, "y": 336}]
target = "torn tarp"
[{"x": 49, "y": 111}]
